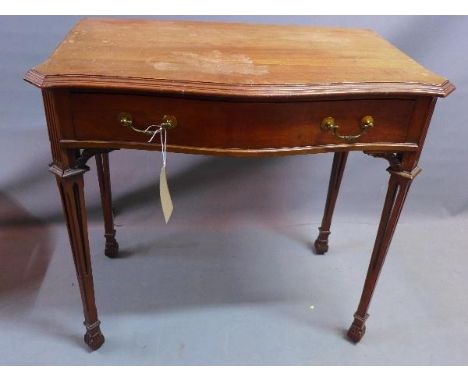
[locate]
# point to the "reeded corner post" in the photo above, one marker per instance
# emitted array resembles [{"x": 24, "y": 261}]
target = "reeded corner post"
[
  {"x": 70, "y": 184},
  {"x": 398, "y": 186},
  {"x": 338, "y": 167},
  {"x": 102, "y": 165}
]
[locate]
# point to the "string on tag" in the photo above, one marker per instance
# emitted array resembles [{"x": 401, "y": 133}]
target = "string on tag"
[
  {"x": 163, "y": 137},
  {"x": 164, "y": 146},
  {"x": 155, "y": 132}
]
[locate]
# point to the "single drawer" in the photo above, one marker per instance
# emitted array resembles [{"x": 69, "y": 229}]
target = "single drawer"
[{"x": 219, "y": 124}]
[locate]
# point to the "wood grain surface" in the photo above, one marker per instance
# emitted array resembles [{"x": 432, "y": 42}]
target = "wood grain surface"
[{"x": 232, "y": 59}]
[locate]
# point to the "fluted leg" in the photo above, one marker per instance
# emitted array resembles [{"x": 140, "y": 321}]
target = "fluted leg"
[
  {"x": 339, "y": 164},
  {"x": 102, "y": 165},
  {"x": 71, "y": 192},
  {"x": 398, "y": 187}
]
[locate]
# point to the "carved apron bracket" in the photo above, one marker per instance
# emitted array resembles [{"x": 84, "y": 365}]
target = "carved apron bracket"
[
  {"x": 79, "y": 167},
  {"x": 87, "y": 154},
  {"x": 394, "y": 159}
]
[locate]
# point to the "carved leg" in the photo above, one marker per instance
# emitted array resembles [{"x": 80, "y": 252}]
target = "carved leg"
[
  {"x": 399, "y": 184},
  {"x": 102, "y": 165},
  {"x": 70, "y": 184},
  {"x": 339, "y": 163}
]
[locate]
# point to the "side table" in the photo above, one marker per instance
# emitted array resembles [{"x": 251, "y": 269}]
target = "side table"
[{"x": 231, "y": 89}]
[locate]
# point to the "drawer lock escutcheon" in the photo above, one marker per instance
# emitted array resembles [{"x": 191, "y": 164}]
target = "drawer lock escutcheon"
[
  {"x": 167, "y": 122},
  {"x": 329, "y": 124}
]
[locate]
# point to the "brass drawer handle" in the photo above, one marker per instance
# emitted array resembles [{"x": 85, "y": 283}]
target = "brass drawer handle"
[
  {"x": 167, "y": 122},
  {"x": 328, "y": 124}
]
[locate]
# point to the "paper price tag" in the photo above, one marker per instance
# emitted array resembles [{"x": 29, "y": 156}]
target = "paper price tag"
[
  {"x": 164, "y": 194},
  {"x": 166, "y": 201}
]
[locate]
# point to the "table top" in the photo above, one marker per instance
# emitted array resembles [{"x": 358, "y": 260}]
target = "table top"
[{"x": 232, "y": 59}]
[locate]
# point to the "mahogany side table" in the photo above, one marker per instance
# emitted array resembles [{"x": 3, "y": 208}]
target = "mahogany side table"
[{"x": 231, "y": 89}]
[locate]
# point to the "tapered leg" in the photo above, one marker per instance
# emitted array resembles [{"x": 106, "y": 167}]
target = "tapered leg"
[
  {"x": 71, "y": 192},
  {"x": 398, "y": 187},
  {"x": 102, "y": 165},
  {"x": 339, "y": 164}
]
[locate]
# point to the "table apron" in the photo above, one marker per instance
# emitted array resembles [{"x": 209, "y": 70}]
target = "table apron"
[{"x": 240, "y": 128}]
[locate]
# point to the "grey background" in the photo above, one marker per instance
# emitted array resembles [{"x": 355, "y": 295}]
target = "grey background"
[{"x": 231, "y": 279}]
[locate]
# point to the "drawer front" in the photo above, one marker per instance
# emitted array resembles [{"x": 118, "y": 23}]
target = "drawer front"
[{"x": 233, "y": 124}]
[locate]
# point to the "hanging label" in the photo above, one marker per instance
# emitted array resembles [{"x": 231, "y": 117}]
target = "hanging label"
[
  {"x": 165, "y": 196},
  {"x": 166, "y": 201}
]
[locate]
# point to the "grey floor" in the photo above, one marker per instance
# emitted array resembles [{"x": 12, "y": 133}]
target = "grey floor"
[{"x": 231, "y": 280}]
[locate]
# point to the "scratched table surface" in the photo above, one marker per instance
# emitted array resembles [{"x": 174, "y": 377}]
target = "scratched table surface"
[{"x": 232, "y": 58}]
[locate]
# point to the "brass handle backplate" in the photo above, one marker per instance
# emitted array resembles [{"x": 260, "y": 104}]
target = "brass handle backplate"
[
  {"x": 328, "y": 124},
  {"x": 167, "y": 122}
]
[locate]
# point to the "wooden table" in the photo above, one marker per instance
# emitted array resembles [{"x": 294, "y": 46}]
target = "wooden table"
[{"x": 231, "y": 89}]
